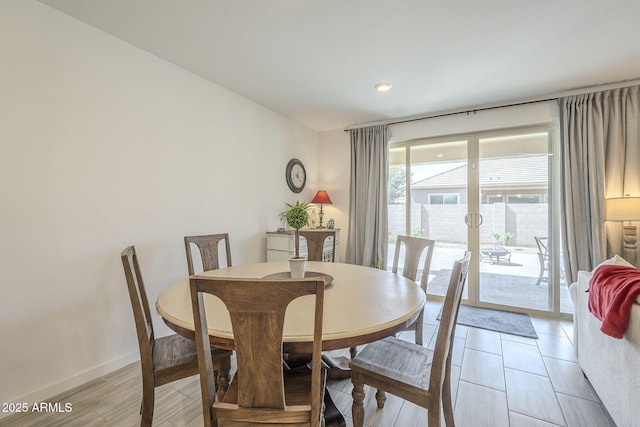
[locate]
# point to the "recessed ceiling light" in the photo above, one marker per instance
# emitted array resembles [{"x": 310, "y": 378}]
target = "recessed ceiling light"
[{"x": 383, "y": 86}]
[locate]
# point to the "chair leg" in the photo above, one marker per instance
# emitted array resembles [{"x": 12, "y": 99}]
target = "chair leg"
[
  {"x": 148, "y": 400},
  {"x": 447, "y": 405},
  {"x": 541, "y": 275},
  {"x": 357, "y": 408},
  {"x": 433, "y": 415},
  {"x": 381, "y": 398},
  {"x": 224, "y": 367},
  {"x": 353, "y": 351},
  {"x": 419, "y": 331}
]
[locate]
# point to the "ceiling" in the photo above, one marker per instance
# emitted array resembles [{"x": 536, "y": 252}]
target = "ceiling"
[{"x": 317, "y": 61}]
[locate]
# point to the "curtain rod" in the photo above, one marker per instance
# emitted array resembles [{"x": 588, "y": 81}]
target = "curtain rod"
[
  {"x": 452, "y": 113},
  {"x": 547, "y": 98}
]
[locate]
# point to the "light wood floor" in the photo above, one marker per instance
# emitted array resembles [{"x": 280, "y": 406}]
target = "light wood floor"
[{"x": 498, "y": 380}]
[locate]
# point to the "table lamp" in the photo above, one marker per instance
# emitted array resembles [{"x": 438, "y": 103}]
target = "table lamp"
[
  {"x": 322, "y": 197},
  {"x": 625, "y": 209}
]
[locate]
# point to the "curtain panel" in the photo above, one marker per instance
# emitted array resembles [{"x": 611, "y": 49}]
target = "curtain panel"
[
  {"x": 600, "y": 157},
  {"x": 368, "y": 239}
]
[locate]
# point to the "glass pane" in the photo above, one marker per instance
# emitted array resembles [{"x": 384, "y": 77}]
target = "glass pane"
[
  {"x": 396, "y": 198},
  {"x": 438, "y": 204},
  {"x": 514, "y": 187},
  {"x": 566, "y": 304}
]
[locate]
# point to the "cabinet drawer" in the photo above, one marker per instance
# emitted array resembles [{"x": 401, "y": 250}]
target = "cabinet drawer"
[{"x": 284, "y": 243}]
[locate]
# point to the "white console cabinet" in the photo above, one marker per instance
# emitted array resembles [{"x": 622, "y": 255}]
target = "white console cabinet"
[{"x": 281, "y": 245}]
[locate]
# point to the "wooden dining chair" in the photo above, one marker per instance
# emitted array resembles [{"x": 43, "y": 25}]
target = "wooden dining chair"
[
  {"x": 409, "y": 371},
  {"x": 315, "y": 244},
  {"x": 414, "y": 247},
  {"x": 208, "y": 247},
  {"x": 165, "y": 359},
  {"x": 261, "y": 391}
]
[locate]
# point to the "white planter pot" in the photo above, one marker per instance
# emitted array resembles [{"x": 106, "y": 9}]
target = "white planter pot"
[{"x": 297, "y": 266}]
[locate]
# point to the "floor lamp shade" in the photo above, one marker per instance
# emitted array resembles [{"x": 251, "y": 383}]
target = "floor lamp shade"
[{"x": 625, "y": 209}]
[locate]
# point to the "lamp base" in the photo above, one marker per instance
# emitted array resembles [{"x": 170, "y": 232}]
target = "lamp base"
[
  {"x": 629, "y": 238},
  {"x": 321, "y": 215}
]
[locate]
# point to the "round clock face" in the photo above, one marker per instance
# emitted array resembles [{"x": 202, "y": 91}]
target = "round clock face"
[{"x": 296, "y": 175}]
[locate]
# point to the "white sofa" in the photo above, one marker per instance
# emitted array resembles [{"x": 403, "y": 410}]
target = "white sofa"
[{"x": 611, "y": 365}]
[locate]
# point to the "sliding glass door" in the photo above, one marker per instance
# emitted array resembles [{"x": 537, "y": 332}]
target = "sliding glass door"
[
  {"x": 428, "y": 198},
  {"x": 490, "y": 193},
  {"x": 513, "y": 185}
]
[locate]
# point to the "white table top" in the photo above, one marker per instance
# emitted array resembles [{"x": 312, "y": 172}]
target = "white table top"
[{"x": 361, "y": 305}]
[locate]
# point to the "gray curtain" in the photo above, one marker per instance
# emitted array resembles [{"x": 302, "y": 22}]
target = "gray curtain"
[
  {"x": 600, "y": 158},
  {"x": 368, "y": 238}
]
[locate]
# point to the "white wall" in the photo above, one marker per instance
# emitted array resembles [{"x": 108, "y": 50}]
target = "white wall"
[
  {"x": 103, "y": 146},
  {"x": 335, "y": 166}
]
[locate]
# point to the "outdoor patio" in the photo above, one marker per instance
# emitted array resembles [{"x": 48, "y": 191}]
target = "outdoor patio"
[{"x": 505, "y": 282}]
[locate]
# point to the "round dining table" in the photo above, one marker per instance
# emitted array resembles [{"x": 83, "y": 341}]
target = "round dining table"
[{"x": 361, "y": 305}]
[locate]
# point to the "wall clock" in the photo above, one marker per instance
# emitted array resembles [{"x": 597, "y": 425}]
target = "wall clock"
[{"x": 296, "y": 175}]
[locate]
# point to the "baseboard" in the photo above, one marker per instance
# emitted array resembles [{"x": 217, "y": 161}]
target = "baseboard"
[{"x": 53, "y": 390}]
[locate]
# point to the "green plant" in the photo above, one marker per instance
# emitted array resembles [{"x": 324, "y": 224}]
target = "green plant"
[
  {"x": 297, "y": 216},
  {"x": 396, "y": 183},
  {"x": 502, "y": 239},
  {"x": 508, "y": 236},
  {"x": 377, "y": 264}
]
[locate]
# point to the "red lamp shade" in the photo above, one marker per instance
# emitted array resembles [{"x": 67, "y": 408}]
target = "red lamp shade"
[{"x": 322, "y": 197}]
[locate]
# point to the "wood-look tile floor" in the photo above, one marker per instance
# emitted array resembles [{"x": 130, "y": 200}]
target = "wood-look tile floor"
[{"x": 498, "y": 380}]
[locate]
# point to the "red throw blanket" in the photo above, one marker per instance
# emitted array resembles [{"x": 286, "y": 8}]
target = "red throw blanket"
[{"x": 612, "y": 292}]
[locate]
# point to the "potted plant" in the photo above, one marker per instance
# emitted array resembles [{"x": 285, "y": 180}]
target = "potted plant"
[
  {"x": 297, "y": 216},
  {"x": 502, "y": 239}
]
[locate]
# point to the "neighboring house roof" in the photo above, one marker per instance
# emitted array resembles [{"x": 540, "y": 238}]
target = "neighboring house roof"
[{"x": 520, "y": 172}]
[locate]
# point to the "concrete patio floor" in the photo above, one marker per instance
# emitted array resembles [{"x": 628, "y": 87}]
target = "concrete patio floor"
[{"x": 511, "y": 283}]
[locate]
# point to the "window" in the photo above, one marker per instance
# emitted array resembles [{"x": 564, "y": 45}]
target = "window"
[
  {"x": 525, "y": 198},
  {"x": 444, "y": 199},
  {"x": 513, "y": 198}
]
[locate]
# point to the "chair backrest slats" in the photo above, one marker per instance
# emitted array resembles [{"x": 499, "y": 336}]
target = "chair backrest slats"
[
  {"x": 208, "y": 247},
  {"x": 257, "y": 310},
  {"x": 315, "y": 243},
  {"x": 414, "y": 247},
  {"x": 139, "y": 302}
]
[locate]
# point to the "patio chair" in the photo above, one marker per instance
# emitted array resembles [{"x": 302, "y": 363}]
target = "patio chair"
[{"x": 543, "y": 258}]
